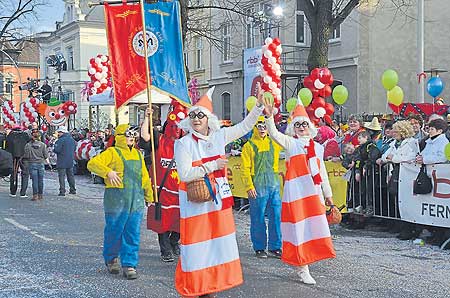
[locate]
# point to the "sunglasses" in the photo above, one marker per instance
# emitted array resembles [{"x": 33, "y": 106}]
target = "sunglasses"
[
  {"x": 130, "y": 134},
  {"x": 261, "y": 126},
  {"x": 199, "y": 115},
  {"x": 303, "y": 124}
]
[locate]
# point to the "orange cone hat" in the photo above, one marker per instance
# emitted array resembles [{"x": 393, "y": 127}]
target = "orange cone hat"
[
  {"x": 206, "y": 100},
  {"x": 299, "y": 111}
]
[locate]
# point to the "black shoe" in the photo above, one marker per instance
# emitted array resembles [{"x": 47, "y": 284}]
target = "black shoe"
[
  {"x": 261, "y": 254},
  {"x": 176, "y": 250},
  {"x": 274, "y": 253},
  {"x": 61, "y": 194},
  {"x": 73, "y": 192},
  {"x": 167, "y": 258}
]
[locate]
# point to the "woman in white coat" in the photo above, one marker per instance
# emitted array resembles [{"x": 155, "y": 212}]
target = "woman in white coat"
[
  {"x": 209, "y": 258},
  {"x": 305, "y": 233}
]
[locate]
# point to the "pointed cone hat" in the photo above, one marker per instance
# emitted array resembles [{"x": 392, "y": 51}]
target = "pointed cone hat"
[
  {"x": 206, "y": 100},
  {"x": 299, "y": 111}
]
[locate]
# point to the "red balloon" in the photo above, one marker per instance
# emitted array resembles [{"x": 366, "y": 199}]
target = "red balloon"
[
  {"x": 324, "y": 75},
  {"x": 279, "y": 61},
  {"x": 44, "y": 127},
  {"x": 318, "y": 102},
  {"x": 327, "y": 119},
  {"x": 315, "y": 92},
  {"x": 33, "y": 100},
  {"x": 310, "y": 110},
  {"x": 267, "y": 67},
  {"x": 103, "y": 86},
  {"x": 276, "y": 102},
  {"x": 265, "y": 86},
  {"x": 32, "y": 119},
  {"x": 325, "y": 91},
  {"x": 331, "y": 80},
  {"x": 278, "y": 85},
  {"x": 308, "y": 82},
  {"x": 276, "y": 41},
  {"x": 264, "y": 60},
  {"x": 277, "y": 118},
  {"x": 329, "y": 108},
  {"x": 315, "y": 74},
  {"x": 272, "y": 47}
]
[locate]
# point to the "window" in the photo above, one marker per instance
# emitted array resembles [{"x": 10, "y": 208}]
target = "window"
[
  {"x": 336, "y": 34},
  {"x": 70, "y": 65},
  {"x": 186, "y": 59},
  {"x": 226, "y": 103},
  {"x": 300, "y": 24},
  {"x": 226, "y": 42},
  {"x": 198, "y": 52}
]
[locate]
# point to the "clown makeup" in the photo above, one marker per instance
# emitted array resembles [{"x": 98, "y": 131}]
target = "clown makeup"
[
  {"x": 199, "y": 115},
  {"x": 302, "y": 129}
]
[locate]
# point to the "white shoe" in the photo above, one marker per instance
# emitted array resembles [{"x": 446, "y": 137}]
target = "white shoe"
[
  {"x": 24, "y": 196},
  {"x": 304, "y": 275}
]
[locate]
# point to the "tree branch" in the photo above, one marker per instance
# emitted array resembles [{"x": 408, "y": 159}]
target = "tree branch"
[{"x": 344, "y": 13}]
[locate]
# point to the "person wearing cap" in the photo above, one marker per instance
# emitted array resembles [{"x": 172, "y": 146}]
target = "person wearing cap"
[
  {"x": 127, "y": 186},
  {"x": 36, "y": 156},
  {"x": 209, "y": 258},
  {"x": 65, "y": 151},
  {"x": 304, "y": 227},
  {"x": 259, "y": 173}
]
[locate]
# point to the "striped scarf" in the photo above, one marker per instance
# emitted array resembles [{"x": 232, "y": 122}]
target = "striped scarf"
[{"x": 313, "y": 162}]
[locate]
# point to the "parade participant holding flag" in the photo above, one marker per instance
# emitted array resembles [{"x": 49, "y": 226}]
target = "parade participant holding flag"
[
  {"x": 209, "y": 260},
  {"x": 127, "y": 185},
  {"x": 304, "y": 227}
]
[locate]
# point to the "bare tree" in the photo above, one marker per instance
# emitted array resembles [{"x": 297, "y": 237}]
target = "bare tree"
[{"x": 15, "y": 15}]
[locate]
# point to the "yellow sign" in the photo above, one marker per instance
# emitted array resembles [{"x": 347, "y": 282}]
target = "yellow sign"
[{"x": 335, "y": 173}]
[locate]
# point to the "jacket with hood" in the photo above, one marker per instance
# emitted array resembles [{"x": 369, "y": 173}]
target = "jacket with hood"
[
  {"x": 248, "y": 157},
  {"x": 109, "y": 160}
]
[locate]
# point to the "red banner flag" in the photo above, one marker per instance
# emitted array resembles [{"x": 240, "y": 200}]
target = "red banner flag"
[{"x": 126, "y": 51}]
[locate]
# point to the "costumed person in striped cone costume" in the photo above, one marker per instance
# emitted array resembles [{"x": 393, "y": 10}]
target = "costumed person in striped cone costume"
[
  {"x": 304, "y": 228},
  {"x": 127, "y": 185},
  {"x": 209, "y": 260},
  {"x": 168, "y": 228}
]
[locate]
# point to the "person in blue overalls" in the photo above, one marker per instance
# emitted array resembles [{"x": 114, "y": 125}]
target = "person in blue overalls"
[
  {"x": 127, "y": 186},
  {"x": 259, "y": 172}
]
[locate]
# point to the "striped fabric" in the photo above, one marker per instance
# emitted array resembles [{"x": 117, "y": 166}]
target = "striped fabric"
[
  {"x": 209, "y": 260},
  {"x": 304, "y": 228}
]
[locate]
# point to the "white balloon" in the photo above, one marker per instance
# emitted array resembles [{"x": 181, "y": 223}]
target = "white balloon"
[
  {"x": 104, "y": 75},
  {"x": 32, "y": 109},
  {"x": 279, "y": 49},
  {"x": 35, "y": 114},
  {"x": 264, "y": 48},
  {"x": 277, "y": 91},
  {"x": 278, "y": 73},
  {"x": 272, "y": 60},
  {"x": 267, "y": 54},
  {"x": 318, "y": 84},
  {"x": 276, "y": 66},
  {"x": 320, "y": 112},
  {"x": 28, "y": 105},
  {"x": 11, "y": 122},
  {"x": 272, "y": 85},
  {"x": 104, "y": 69},
  {"x": 103, "y": 58},
  {"x": 267, "y": 79},
  {"x": 98, "y": 76},
  {"x": 103, "y": 81},
  {"x": 268, "y": 41},
  {"x": 97, "y": 84},
  {"x": 92, "y": 71},
  {"x": 98, "y": 61}
]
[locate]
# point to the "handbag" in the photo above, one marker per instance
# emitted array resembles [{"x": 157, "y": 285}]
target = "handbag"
[
  {"x": 201, "y": 190},
  {"x": 422, "y": 184},
  {"x": 334, "y": 215}
]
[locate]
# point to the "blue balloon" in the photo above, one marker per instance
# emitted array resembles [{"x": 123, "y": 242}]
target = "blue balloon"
[{"x": 435, "y": 86}]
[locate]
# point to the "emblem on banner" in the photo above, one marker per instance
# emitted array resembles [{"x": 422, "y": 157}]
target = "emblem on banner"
[{"x": 152, "y": 43}]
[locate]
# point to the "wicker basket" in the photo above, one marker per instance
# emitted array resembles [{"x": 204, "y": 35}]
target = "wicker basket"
[
  {"x": 197, "y": 191},
  {"x": 334, "y": 216}
]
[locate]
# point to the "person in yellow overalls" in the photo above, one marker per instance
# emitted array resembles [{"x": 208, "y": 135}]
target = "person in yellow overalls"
[
  {"x": 259, "y": 172},
  {"x": 127, "y": 185}
]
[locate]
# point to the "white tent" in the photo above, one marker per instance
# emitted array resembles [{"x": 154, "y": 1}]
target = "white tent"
[{"x": 105, "y": 99}]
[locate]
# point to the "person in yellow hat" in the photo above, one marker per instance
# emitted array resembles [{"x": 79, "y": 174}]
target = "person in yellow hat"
[
  {"x": 127, "y": 186},
  {"x": 259, "y": 172}
]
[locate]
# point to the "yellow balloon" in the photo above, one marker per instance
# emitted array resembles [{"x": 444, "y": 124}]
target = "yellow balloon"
[
  {"x": 447, "y": 151},
  {"x": 395, "y": 96},
  {"x": 250, "y": 102}
]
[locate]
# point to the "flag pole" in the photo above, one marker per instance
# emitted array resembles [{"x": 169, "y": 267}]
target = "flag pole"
[{"x": 150, "y": 122}]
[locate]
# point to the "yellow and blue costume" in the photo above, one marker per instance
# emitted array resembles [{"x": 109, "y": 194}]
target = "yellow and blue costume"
[{"x": 123, "y": 204}]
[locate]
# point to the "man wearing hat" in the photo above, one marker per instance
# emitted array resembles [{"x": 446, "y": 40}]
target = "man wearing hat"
[
  {"x": 65, "y": 149},
  {"x": 374, "y": 128}
]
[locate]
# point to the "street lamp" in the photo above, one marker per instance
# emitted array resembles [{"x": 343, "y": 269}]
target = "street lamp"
[
  {"x": 277, "y": 11},
  {"x": 18, "y": 73},
  {"x": 269, "y": 18}
]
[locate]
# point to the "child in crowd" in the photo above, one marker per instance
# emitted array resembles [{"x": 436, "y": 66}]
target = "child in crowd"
[{"x": 366, "y": 171}]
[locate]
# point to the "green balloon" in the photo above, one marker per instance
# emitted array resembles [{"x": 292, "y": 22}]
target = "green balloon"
[
  {"x": 447, "y": 151},
  {"x": 395, "y": 96},
  {"x": 340, "y": 94},
  {"x": 250, "y": 102},
  {"x": 305, "y": 96},
  {"x": 389, "y": 79},
  {"x": 290, "y": 104}
]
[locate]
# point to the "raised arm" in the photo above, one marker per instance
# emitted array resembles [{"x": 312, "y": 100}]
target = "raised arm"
[
  {"x": 282, "y": 139},
  {"x": 242, "y": 128}
]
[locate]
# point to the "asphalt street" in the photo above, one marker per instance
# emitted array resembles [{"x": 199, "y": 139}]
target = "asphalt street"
[{"x": 52, "y": 248}]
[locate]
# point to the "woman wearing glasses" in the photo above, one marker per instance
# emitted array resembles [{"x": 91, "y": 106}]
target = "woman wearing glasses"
[
  {"x": 209, "y": 260},
  {"x": 304, "y": 228},
  {"x": 127, "y": 185}
]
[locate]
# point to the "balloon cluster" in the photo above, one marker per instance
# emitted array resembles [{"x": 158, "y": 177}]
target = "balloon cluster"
[
  {"x": 271, "y": 70},
  {"x": 100, "y": 73},
  {"x": 70, "y": 107},
  {"x": 8, "y": 114},
  {"x": 29, "y": 111},
  {"x": 389, "y": 80},
  {"x": 85, "y": 150}
]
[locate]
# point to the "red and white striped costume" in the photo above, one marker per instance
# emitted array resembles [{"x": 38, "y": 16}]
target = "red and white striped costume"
[
  {"x": 209, "y": 260},
  {"x": 304, "y": 227}
]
